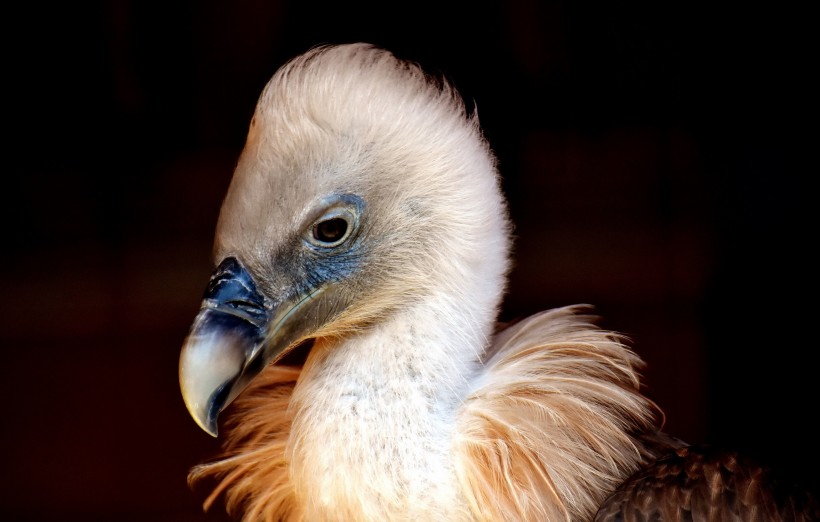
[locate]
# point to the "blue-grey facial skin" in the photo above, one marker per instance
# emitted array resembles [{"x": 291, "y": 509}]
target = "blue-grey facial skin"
[
  {"x": 323, "y": 264},
  {"x": 314, "y": 274},
  {"x": 242, "y": 329}
]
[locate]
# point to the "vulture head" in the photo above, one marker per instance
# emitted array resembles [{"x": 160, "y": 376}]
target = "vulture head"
[
  {"x": 365, "y": 223},
  {"x": 363, "y": 191}
]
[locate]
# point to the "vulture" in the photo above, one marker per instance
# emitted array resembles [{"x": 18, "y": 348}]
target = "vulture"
[{"x": 351, "y": 324}]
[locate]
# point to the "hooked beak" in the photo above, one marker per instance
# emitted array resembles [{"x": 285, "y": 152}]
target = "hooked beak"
[{"x": 236, "y": 333}]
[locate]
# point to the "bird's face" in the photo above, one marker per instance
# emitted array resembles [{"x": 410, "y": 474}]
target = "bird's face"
[
  {"x": 335, "y": 217},
  {"x": 305, "y": 248}
]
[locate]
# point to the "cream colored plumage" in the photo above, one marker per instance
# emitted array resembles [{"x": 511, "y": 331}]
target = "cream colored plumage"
[{"x": 365, "y": 217}]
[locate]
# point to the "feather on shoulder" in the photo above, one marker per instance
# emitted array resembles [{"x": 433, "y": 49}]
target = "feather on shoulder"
[{"x": 553, "y": 427}]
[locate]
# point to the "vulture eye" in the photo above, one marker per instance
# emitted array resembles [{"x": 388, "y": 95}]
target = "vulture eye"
[
  {"x": 330, "y": 232},
  {"x": 334, "y": 227},
  {"x": 337, "y": 224}
]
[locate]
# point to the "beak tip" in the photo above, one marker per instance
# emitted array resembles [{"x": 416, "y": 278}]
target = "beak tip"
[
  {"x": 210, "y": 428},
  {"x": 204, "y": 416},
  {"x": 208, "y": 367}
]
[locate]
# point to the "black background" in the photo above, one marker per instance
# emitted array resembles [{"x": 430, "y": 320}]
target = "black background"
[{"x": 656, "y": 158}]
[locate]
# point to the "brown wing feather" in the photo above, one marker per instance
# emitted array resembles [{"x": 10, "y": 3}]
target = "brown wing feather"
[{"x": 706, "y": 484}]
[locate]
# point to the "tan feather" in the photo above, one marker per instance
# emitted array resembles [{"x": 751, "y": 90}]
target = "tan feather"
[
  {"x": 253, "y": 474},
  {"x": 552, "y": 429}
]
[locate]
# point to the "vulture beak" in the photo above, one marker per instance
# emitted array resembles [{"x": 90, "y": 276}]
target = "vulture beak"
[{"x": 237, "y": 332}]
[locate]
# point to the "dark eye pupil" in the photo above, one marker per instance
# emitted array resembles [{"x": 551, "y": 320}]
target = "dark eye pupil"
[{"x": 330, "y": 231}]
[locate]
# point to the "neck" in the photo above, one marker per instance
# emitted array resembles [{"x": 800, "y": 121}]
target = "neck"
[{"x": 373, "y": 414}]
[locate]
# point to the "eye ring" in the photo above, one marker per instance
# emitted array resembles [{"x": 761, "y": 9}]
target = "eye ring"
[{"x": 332, "y": 229}]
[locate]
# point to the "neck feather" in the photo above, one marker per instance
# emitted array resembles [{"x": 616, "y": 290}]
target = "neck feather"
[{"x": 373, "y": 415}]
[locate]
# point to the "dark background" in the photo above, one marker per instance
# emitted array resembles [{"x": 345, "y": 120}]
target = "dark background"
[{"x": 655, "y": 159}]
